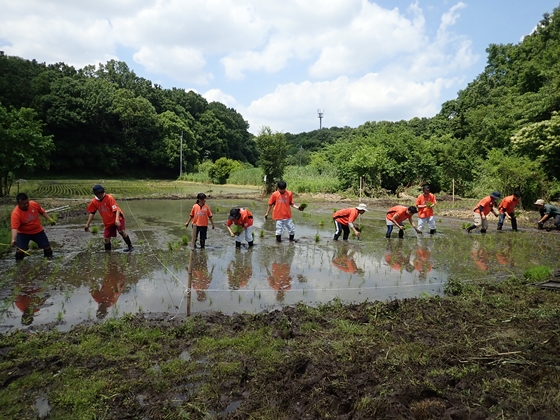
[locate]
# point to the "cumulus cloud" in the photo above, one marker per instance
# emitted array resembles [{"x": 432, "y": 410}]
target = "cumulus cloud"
[{"x": 216, "y": 95}]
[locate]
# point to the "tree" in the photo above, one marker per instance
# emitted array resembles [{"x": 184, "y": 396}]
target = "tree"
[
  {"x": 22, "y": 144},
  {"x": 273, "y": 150},
  {"x": 219, "y": 173}
]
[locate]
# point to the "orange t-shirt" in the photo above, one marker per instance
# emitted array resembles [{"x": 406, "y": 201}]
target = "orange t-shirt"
[
  {"x": 400, "y": 211},
  {"x": 486, "y": 204},
  {"x": 345, "y": 264},
  {"x": 245, "y": 220},
  {"x": 282, "y": 203},
  {"x": 422, "y": 199},
  {"x": 200, "y": 214},
  {"x": 508, "y": 204},
  {"x": 346, "y": 216},
  {"x": 28, "y": 222},
  {"x": 107, "y": 208}
]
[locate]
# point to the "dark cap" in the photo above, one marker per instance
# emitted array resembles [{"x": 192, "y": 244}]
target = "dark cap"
[
  {"x": 496, "y": 195},
  {"x": 234, "y": 214},
  {"x": 98, "y": 189}
]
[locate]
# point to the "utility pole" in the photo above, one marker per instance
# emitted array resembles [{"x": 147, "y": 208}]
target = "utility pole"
[
  {"x": 300, "y": 150},
  {"x": 181, "y": 157},
  {"x": 320, "y": 117}
]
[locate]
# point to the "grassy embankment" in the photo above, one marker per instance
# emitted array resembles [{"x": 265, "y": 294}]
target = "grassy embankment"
[{"x": 487, "y": 350}]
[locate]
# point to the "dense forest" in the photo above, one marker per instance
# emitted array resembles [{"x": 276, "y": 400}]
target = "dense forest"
[{"x": 501, "y": 132}]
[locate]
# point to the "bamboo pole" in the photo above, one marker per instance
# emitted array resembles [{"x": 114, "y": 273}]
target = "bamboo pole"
[{"x": 190, "y": 271}]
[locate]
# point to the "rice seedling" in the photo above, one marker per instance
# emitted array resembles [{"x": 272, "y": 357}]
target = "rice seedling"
[
  {"x": 95, "y": 229},
  {"x": 261, "y": 234},
  {"x": 302, "y": 206},
  {"x": 538, "y": 273},
  {"x": 237, "y": 230},
  {"x": 317, "y": 238},
  {"x": 185, "y": 240}
]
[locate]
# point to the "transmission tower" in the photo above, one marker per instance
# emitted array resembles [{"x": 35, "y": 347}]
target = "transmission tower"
[{"x": 320, "y": 113}]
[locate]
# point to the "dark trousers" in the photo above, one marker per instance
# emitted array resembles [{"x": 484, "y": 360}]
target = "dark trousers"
[{"x": 340, "y": 228}]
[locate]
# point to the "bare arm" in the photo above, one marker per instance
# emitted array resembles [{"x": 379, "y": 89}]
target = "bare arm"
[{"x": 90, "y": 218}]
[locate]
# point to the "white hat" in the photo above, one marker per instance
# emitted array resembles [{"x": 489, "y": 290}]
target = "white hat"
[
  {"x": 539, "y": 202},
  {"x": 362, "y": 206}
]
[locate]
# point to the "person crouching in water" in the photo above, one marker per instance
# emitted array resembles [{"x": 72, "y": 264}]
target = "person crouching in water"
[
  {"x": 243, "y": 220},
  {"x": 344, "y": 220},
  {"x": 26, "y": 226},
  {"x": 484, "y": 206},
  {"x": 200, "y": 214},
  {"x": 112, "y": 215},
  {"x": 398, "y": 214}
]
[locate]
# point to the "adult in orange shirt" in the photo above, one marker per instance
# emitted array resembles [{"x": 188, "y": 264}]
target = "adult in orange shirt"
[
  {"x": 507, "y": 209},
  {"x": 344, "y": 220},
  {"x": 244, "y": 218},
  {"x": 425, "y": 204},
  {"x": 26, "y": 226},
  {"x": 281, "y": 202},
  {"x": 112, "y": 215},
  {"x": 484, "y": 206},
  {"x": 200, "y": 214},
  {"x": 398, "y": 214}
]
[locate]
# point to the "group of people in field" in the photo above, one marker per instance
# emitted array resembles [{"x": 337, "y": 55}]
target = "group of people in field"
[{"x": 26, "y": 224}]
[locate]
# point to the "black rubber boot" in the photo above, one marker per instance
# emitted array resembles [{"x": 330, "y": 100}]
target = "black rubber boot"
[
  {"x": 401, "y": 233},
  {"x": 482, "y": 230},
  {"x": 251, "y": 244},
  {"x": 514, "y": 224},
  {"x": 47, "y": 253},
  {"x": 470, "y": 228},
  {"x": 237, "y": 245},
  {"x": 278, "y": 238},
  {"x": 108, "y": 246},
  {"x": 387, "y": 235},
  {"x": 202, "y": 243},
  {"x": 127, "y": 241},
  {"x": 336, "y": 237},
  {"x": 19, "y": 256},
  {"x": 292, "y": 238},
  {"x": 432, "y": 231}
]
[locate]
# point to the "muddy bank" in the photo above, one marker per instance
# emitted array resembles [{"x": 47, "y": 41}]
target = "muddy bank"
[{"x": 490, "y": 351}]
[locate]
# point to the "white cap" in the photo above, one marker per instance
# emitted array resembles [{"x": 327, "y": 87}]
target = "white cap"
[{"x": 362, "y": 206}]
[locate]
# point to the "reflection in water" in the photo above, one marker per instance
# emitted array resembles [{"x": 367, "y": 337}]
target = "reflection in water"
[
  {"x": 240, "y": 269},
  {"x": 29, "y": 301},
  {"x": 201, "y": 276},
  {"x": 422, "y": 262},
  {"x": 479, "y": 255},
  {"x": 279, "y": 276},
  {"x": 397, "y": 258},
  {"x": 504, "y": 251},
  {"x": 110, "y": 290},
  {"x": 344, "y": 260}
]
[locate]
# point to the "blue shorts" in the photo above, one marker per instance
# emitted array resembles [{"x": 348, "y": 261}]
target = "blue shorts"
[{"x": 22, "y": 240}]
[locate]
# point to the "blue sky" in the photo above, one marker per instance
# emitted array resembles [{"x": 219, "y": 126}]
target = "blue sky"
[{"x": 278, "y": 62}]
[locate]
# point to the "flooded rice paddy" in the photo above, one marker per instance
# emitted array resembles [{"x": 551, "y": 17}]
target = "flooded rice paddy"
[{"x": 85, "y": 283}]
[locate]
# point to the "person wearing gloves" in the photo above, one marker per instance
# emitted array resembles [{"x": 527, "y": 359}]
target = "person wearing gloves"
[
  {"x": 396, "y": 216},
  {"x": 484, "y": 206},
  {"x": 344, "y": 221}
]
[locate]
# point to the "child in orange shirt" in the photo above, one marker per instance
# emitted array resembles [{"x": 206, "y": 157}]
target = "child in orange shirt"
[
  {"x": 282, "y": 201},
  {"x": 244, "y": 218},
  {"x": 200, "y": 214},
  {"x": 112, "y": 215}
]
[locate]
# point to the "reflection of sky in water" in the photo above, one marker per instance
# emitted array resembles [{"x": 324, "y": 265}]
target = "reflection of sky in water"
[{"x": 94, "y": 285}]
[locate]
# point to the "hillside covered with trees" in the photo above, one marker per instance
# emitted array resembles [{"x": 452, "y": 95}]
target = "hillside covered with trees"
[{"x": 501, "y": 132}]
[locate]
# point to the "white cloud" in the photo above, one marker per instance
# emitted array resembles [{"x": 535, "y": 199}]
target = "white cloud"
[
  {"x": 216, "y": 95},
  {"x": 185, "y": 64}
]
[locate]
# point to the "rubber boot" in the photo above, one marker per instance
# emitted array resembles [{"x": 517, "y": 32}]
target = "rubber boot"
[
  {"x": 336, "y": 237},
  {"x": 19, "y": 256},
  {"x": 432, "y": 231},
  {"x": 251, "y": 244},
  {"x": 47, "y": 253},
  {"x": 108, "y": 246},
  {"x": 292, "y": 238},
  {"x": 278, "y": 238},
  {"x": 514, "y": 224},
  {"x": 127, "y": 241},
  {"x": 482, "y": 230},
  {"x": 401, "y": 233},
  {"x": 470, "y": 228},
  {"x": 237, "y": 245},
  {"x": 388, "y": 235},
  {"x": 499, "y": 227},
  {"x": 202, "y": 243}
]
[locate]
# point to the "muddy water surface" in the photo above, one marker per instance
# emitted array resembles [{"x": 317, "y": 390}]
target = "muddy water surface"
[{"x": 86, "y": 283}]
